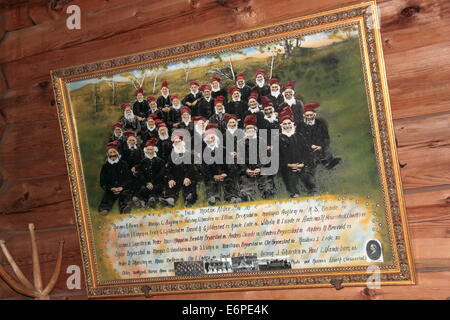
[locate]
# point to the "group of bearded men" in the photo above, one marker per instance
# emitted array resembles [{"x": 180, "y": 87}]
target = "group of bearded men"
[{"x": 164, "y": 146}]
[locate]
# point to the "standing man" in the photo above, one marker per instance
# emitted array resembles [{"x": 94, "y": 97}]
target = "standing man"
[
  {"x": 205, "y": 107},
  {"x": 254, "y": 108},
  {"x": 151, "y": 175},
  {"x": 296, "y": 105},
  {"x": 140, "y": 106},
  {"x": 164, "y": 100},
  {"x": 315, "y": 132},
  {"x": 218, "y": 116},
  {"x": 230, "y": 141},
  {"x": 275, "y": 93},
  {"x": 270, "y": 121},
  {"x": 216, "y": 89},
  {"x": 192, "y": 98},
  {"x": 174, "y": 116},
  {"x": 243, "y": 88},
  {"x": 150, "y": 130},
  {"x": 154, "y": 108},
  {"x": 296, "y": 163},
  {"x": 164, "y": 144},
  {"x": 115, "y": 177},
  {"x": 261, "y": 86},
  {"x": 236, "y": 105}
]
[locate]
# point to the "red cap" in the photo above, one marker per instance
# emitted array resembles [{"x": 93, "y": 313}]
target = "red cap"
[
  {"x": 286, "y": 110},
  {"x": 161, "y": 124},
  {"x": 125, "y": 105},
  {"x": 250, "y": 120},
  {"x": 175, "y": 97},
  {"x": 113, "y": 145},
  {"x": 151, "y": 98},
  {"x": 233, "y": 90},
  {"x": 193, "y": 83},
  {"x": 253, "y": 95},
  {"x": 311, "y": 107},
  {"x": 140, "y": 90},
  {"x": 240, "y": 76},
  {"x": 185, "y": 109},
  {"x": 216, "y": 79},
  {"x": 211, "y": 128},
  {"x": 274, "y": 81},
  {"x": 151, "y": 142},
  {"x": 228, "y": 116},
  {"x": 153, "y": 116},
  {"x": 117, "y": 125},
  {"x": 218, "y": 100},
  {"x": 204, "y": 87},
  {"x": 260, "y": 71},
  {"x": 266, "y": 102},
  {"x": 289, "y": 85},
  {"x": 165, "y": 83},
  {"x": 286, "y": 117},
  {"x": 129, "y": 133},
  {"x": 175, "y": 137},
  {"x": 198, "y": 118}
]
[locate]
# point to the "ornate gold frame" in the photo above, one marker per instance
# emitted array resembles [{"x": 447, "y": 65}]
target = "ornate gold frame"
[{"x": 364, "y": 16}]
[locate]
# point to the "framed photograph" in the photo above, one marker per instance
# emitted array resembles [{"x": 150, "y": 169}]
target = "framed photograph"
[{"x": 261, "y": 159}]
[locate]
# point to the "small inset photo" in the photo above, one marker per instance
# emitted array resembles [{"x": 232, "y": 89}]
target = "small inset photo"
[
  {"x": 245, "y": 263},
  {"x": 222, "y": 265},
  {"x": 188, "y": 268},
  {"x": 374, "y": 251},
  {"x": 274, "y": 263}
]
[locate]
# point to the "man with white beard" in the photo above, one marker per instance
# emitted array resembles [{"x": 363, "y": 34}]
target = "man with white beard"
[
  {"x": 200, "y": 124},
  {"x": 270, "y": 121},
  {"x": 174, "y": 116},
  {"x": 154, "y": 108},
  {"x": 236, "y": 105},
  {"x": 150, "y": 130},
  {"x": 205, "y": 107},
  {"x": 115, "y": 177},
  {"x": 275, "y": 94},
  {"x": 129, "y": 120},
  {"x": 132, "y": 154},
  {"x": 216, "y": 90},
  {"x": 186, "y": 122},
  {"x": 261, "y": 86},
  {"x": 164, "y": 101},
  {"x": 315, "y": 132},
  {"x": 193, "y": 97},
  {"x": 296, "y": 163},
  {"x": 219, "y": 113},
  {"x": 214, "y": 169},
  {"x": 252, "y": 178},
  {"x": 243, "y": 88},
  {"x": 230, "y": 141},
  {"x": 164, "y": 144},
  {"x": 180, "y": 175},
  {"x": 151, "y": 174},
  {"x": 254, "y": 108},
  {"x": 140, "y": 106},
  {"x": 295, "y": 105},
  {"x": 117, "y": 134}
]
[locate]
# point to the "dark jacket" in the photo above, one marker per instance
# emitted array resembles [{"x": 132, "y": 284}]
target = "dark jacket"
[{"x": 115, "y": 175}]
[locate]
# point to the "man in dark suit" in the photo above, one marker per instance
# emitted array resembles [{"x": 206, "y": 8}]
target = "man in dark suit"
[
  {"x": 275, "y": 93},
  {"x": 115, "y": 178},
  {"x": 218, "y": 116},
  {"x": 164, "y": 100},
  {"x": 315, "y": 132},
  {"x": 193, "y": 97},
  {"x": 205, "y": 107},
  {"x": 140, "y": 106},
  {"x": 216, "y": 90},
  {"x": 243, "y": 88},
  {"x": 261, "y": 86},
  {"x": 236, "y": 105}
]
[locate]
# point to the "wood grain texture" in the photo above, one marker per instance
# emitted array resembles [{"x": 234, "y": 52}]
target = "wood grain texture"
[{"x": 416, "y": 49}]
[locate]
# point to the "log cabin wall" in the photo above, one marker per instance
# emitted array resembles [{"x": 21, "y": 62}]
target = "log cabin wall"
[{"x": 34, "y": 185}]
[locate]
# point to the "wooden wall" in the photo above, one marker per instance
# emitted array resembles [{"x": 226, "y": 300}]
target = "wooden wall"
[{"x": 33, "y": 178}]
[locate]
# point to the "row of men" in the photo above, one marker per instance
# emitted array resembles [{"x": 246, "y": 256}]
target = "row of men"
[
  {"x": 144, "y": 175},
  {"x": 202, "y": 98}
]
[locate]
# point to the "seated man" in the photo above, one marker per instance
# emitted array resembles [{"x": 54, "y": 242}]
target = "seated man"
[
  {"x": 151, "y": 175},
  {"x": 219, "y": 112},
  {"x": 154, "y": 108},
  {"x": 115, "y": 179},
  {"x": 164, "y": 144},
  {"x": 315, "y": 132},
  {"x": 253, "y": 177},
  {"x": 149, "y": 130},
  {"x": 180, "y": 175},
  {"x": 254, "y": 108},
  {"x": 295, "y": 160},
  {"x": 186, "y": 121},
  {"x": 192, "y": 98}
]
